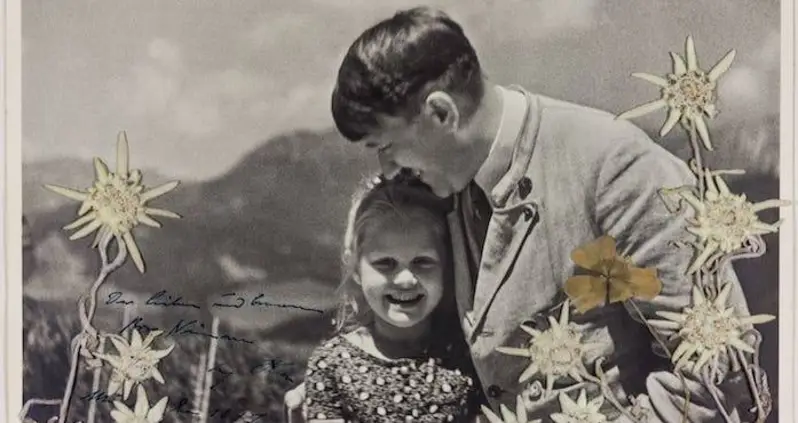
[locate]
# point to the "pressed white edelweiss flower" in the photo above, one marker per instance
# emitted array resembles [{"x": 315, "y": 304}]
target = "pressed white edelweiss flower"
[
  {"x": 555, "y": 352},
  {"x": 135, "y": 362},
  {"x": 508, "y": 416},
  {"x": 142, "y": 413},
  {"x": 689, "y": 92},
  {"x": 116, "y": 203},
  {"x": 579, "y": 411},
  {"x": 707, "y": 328},
  {"x": 724, "y": 220}
]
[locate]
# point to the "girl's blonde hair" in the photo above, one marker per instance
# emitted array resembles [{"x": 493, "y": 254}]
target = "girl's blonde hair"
[{"x": 402, "y": 196}]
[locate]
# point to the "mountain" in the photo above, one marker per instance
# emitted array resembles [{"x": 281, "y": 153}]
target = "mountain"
[{"x": 277, "y": 216}]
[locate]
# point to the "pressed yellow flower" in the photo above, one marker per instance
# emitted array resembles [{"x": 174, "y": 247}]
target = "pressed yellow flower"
[
  {"x": 135, "y": 362},
  {"x": 520, "y": 415},
  {"x": 707, "y": 329},
  {"x": 555, "y": 352},
  {"x": 611, "y": 278},
  {"x": 724, "y": 220},
  {"x": 689, "y": 93},
  {"x": 142, "y": 412},
  {"x": 116, "y": 203},
  {"x": 579, "y": 411}
]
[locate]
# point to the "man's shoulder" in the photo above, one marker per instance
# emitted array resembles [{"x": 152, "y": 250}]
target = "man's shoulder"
[{"x": 567, "y": 119}]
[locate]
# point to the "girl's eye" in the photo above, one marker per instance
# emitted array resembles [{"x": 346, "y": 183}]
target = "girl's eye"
[
  {"x": 384, "y": 264},
  {"x": 425, "y": 262}
]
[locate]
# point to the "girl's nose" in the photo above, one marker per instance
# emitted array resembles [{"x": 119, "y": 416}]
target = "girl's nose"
[{"x": 405, "y": 279}]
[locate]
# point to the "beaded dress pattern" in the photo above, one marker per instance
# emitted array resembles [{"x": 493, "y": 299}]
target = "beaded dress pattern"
[{"x": 343, "y": 381}]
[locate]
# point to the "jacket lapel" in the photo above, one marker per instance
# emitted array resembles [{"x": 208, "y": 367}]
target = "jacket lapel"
[{"x": 516, "y": 206}]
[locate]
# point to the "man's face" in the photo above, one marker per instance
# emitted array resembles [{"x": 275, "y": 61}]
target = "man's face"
[{"x": 433, "y": 155}]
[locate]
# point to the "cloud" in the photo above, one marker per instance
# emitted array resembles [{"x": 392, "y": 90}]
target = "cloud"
[{"x": 750, "y": 88}]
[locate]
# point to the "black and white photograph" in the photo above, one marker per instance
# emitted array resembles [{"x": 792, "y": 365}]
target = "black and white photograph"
[{"x": 510, "y": 211}]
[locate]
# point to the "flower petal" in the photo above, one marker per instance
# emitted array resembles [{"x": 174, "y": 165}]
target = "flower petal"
[
  {"x": 567, "y": 404},
  {"x": 586, "y": 292},
  {"x": 81, "y": 221},
  {"x": 128, "y": 386},
  {"x": 91, "y": 227},
  {"x": 676, "y": 317},
  {"x": 564, "y": 313},
  {"x": 159, "y": 354},
  {"x": 590, "y": 255},
  {"x": 492, "y": 417},
  {"x": 702, "y": 360},
  {"x": 122, "y": 155},
  {"x": 157, "y": 375},
  {"x": 100, "y": 236},
  {"x": 121, "y": 345},
  {"x": 722, "y": 66},
  {"x": 723, "y": 295},
  {"x": 769, "y": 204},
  {"x": 532, "y": 331},
  {"x": 100, "y": 170},
  {"x": 135, "y": 254},
  {"x": 673, "y": 118},
  {"x": 520, "y": 409},
  {"x": 679, "y": 68},
  {"x": 158, "y": 191},
  {"x": 703, "y": 132},
  {"x": 507, "y": 415},
  {"x": 692, "y": 60},
  {"x": 119, "y": 416},
  {"x": 156, "y": 412},
  {"x": 142, "y": 403},
  {"x": 757, "y": 319},
  {"x": 67, "y": 192},
  {"x": 143, "y": 218},
  {"x": 530, "y": 371},
  {"x": 643, "y": 109},
  {"x": 644, "y": 282},
  {"x": 518, "y": 352},
  {"x": 702, "y": 258},
  {"x": 161, "y": 212},
  {"x": 581, "y": 401},
  {"x": 113, "y": 386},
  {"x": 742, "y": 346},
  {"x": 654, "y": 79},
  {"x": 664, "y": 324},
  {"x": 135, "y": 340}
]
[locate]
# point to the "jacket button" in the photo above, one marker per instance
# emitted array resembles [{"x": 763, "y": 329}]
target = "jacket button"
[
  {"x": 524, "y": 187},
  {"x": 495, "y": 391}
]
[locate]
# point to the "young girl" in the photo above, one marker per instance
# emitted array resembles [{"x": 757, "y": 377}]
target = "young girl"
[{"x": 399, "y": 354}]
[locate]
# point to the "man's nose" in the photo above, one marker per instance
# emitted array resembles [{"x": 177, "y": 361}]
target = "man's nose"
[
  {"x": 388, "y": 165},
  {"x": 405, "y": 279}
]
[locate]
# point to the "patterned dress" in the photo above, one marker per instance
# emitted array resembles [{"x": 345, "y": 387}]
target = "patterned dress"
[{"x": 345, "y": 382}]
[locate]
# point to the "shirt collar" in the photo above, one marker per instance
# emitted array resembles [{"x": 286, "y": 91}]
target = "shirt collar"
[{"x": 514, "y": 107}]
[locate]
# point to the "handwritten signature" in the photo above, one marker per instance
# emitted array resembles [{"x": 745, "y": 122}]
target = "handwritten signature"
[
  {"x": 183, "y": 327},
  {"x": 164, "y": 298}
]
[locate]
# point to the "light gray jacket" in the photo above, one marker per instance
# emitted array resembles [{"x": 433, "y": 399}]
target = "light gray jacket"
[{"x": 590, "y": 175}]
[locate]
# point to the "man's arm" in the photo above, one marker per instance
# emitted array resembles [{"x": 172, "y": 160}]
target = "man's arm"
[{"x": 629, "y": 208}]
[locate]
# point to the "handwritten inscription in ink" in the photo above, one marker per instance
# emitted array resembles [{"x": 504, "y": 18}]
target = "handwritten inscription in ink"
[{"x": 164, "y": 298}]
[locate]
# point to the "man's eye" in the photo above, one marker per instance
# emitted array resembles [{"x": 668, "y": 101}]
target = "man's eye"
[
  {"x": 425, "y": 262},
  {"x": 384, "y": 264}
]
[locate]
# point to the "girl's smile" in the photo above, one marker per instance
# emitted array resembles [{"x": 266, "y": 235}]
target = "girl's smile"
[{"x": 400, "y": 269}]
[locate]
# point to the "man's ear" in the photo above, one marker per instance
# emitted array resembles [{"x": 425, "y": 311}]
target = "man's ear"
[{"x": 441, "y": 110}]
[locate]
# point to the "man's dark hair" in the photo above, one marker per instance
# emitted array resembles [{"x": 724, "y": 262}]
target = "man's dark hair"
[{"x": 393, "y": 65}]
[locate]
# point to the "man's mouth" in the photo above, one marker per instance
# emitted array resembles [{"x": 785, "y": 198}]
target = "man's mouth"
[{"x": 404, "y": 298}]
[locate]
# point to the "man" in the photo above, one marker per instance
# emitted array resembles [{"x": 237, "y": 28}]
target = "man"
[{"x": 532, "y": 179}]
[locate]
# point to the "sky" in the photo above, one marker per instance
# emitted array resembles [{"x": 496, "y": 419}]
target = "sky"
[{"x": 198, "y": 84}]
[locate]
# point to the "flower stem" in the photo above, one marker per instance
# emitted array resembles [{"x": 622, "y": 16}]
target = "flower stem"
[
  {"x": 668, "y": 352},
  {"x": 86, "y": 317},
  {"x": 35, "y": 401},
  {"x": 606, "y": 391}
]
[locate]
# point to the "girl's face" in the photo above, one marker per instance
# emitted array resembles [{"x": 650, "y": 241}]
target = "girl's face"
[{"x": 401, "y": 269}]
